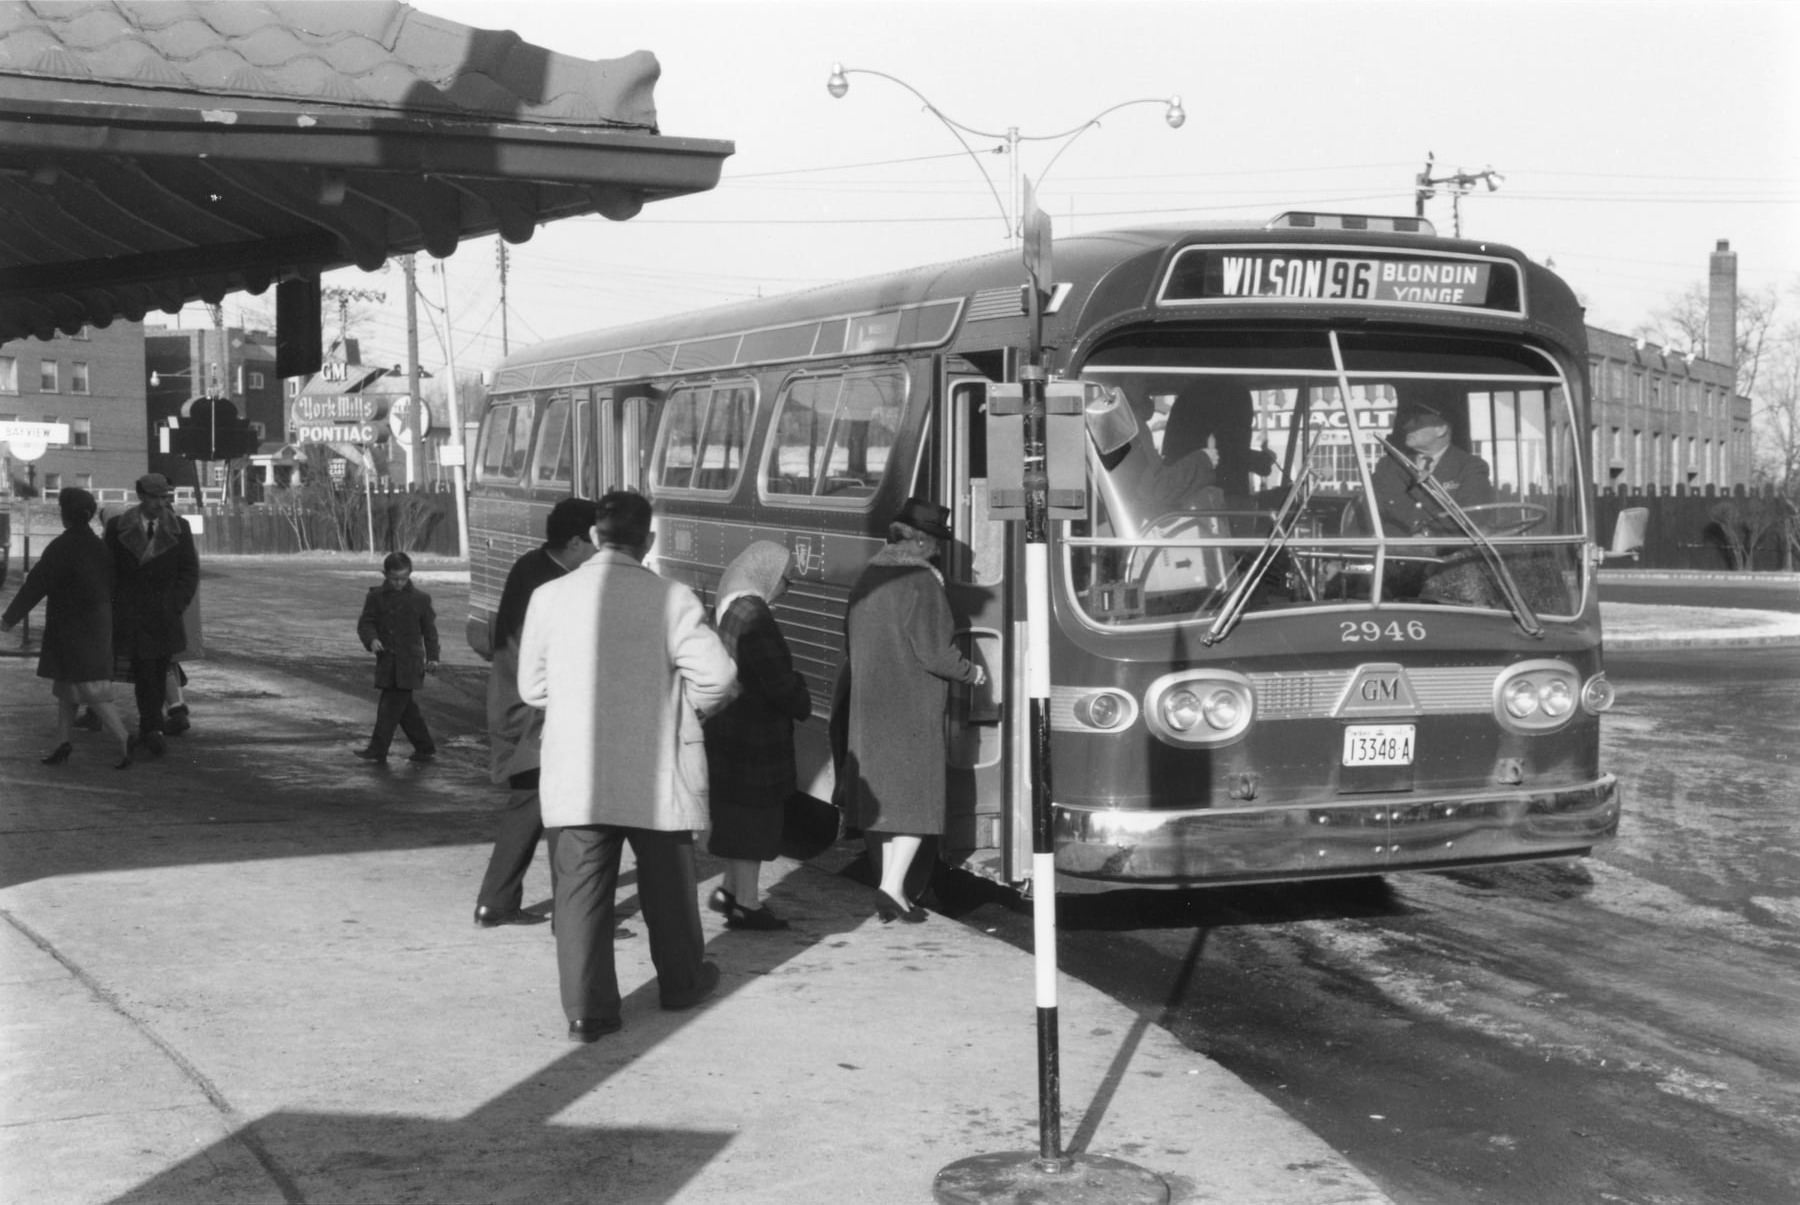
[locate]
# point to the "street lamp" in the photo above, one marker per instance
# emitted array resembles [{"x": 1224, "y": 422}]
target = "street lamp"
[
  {"x": 839, "y": 84},
  {"x": 1051, "y": 1174}
]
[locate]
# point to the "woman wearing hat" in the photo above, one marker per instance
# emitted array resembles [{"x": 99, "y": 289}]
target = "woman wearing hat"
[
  {"x": 750, "y": 744},
  {"x": 902, "y": 661}
]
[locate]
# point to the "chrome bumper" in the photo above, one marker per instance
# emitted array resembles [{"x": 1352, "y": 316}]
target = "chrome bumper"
[{"x": 1371, "y": 835}]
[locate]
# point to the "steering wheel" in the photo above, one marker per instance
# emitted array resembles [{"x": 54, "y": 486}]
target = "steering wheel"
[{"x": 1526, "y": 516}]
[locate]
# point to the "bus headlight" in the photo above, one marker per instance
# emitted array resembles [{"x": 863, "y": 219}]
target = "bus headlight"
[
  {"x": 1105, "y": 710},
  {"x": 1536, "y": 696},
  {"x": 1597, "y": 695},
  {"x": 1208, "y": 707}
]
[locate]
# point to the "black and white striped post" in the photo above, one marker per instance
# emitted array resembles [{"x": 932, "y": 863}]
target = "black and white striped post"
[{"x": 1050, "y": 1175}]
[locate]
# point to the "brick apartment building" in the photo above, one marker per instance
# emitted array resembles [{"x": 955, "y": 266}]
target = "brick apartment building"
[
  {"x": 94, "y": 381},
  {"x": 1667, "y": 417}
]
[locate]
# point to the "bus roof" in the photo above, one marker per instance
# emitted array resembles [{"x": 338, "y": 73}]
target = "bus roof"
[{"x": 990, "y": 285}]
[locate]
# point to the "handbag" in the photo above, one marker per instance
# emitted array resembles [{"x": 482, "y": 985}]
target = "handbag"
[{"x": 809, "y": 826}]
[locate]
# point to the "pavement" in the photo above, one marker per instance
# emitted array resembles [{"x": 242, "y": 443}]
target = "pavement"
[{"x": 246, "y": 972}]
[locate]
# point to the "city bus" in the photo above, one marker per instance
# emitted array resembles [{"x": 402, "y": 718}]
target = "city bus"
[{"x": 1259, "y": 673}]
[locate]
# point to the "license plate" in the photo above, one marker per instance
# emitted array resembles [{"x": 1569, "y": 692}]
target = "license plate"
[{"x": 1378, "y": 745}]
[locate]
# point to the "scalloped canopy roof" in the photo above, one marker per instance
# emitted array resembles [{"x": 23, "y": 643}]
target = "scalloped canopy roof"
[{"x": 153, "y": 154}]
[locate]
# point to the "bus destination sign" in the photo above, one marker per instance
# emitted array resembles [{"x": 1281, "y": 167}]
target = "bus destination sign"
[{"x": 1202, "y": 274}]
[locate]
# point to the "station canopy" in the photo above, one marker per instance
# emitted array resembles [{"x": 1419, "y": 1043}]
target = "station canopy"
[{"x": 153, "y": 154}]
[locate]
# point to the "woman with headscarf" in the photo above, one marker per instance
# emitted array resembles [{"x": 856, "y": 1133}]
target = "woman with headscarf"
[
  {"x": 902, "y": 660},
  {"x": 750, "y": 744}
]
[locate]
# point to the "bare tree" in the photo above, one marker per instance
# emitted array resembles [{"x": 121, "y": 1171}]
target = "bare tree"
[{"x": 1683, "y": 321}]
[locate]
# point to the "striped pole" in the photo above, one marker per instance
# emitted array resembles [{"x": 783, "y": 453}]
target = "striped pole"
[{"x": 1037, "y": 692}]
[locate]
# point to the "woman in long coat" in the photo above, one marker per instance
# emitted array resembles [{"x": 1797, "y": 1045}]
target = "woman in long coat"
[
  {"x": 75, "y": 576},
  {"x": 750, "y": 744},
  {"x": 902, "y": 661}
]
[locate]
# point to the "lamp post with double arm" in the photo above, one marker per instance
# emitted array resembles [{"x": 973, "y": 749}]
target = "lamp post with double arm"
[{"x": 1049, "y": 1175}]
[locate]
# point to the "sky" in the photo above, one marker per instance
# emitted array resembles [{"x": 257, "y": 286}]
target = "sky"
[{"x": 1626, "y": 139}]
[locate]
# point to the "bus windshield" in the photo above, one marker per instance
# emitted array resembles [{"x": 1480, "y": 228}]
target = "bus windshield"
[{"x": 1277, "y": 469}]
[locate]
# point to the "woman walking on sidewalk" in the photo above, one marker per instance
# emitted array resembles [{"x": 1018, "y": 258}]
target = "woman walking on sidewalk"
[
  {"x": 75, "y": 576},
  {"x": 750, "y": 744}
]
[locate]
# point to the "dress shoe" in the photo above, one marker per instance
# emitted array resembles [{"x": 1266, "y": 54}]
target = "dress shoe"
[
  {"x": 493, "y": 918},
  {"x": 151, "y": 742},
  {"x": 421, "y": 755},
  {"x": 890, "y": 909},
  {"x": 58, "y": 755},
  {"x": 124, "y": 763},
  {"x": 708, "y": 984},
  {"x": 592, "y": 1029},
  {"x": 88, "y": 720},
  {"x": 177, "y": 721},
  {"x": 759, "y": 919},
  {"x": 721, "y": 901},
  {"x": 371, "y": 755}
]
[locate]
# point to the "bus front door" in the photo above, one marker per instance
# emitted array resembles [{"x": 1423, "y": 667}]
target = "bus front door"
[{"x": 979, "y": 784}]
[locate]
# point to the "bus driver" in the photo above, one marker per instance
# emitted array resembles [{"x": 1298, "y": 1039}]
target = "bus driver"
[{"x": 1406, "y": 507}]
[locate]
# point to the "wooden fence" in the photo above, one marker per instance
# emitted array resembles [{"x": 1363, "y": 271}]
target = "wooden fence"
[
  {"x": 409, "y": 522},
  {"x": 1688, "y": 528}
]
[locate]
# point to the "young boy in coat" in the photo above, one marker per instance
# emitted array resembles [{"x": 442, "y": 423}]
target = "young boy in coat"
[{"x": 399, "y": 627}]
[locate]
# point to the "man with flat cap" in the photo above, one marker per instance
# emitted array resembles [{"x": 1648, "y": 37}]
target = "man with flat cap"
[
  {"x": 155, "y": 574},
  {"x": 1407, "y": 509}
]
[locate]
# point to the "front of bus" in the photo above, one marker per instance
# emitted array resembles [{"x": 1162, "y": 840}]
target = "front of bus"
[{"x": 1331, "y": 609}]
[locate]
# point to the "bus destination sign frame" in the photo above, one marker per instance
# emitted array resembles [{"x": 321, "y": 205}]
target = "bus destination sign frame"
[{"x": 1341, "y": 276}]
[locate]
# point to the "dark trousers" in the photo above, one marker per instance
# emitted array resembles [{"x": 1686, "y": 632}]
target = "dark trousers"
[
  {"x": 585, "y": 876},
  {"x": 149, "y": 681},
  {"x": 397, "y": 708},
  {"x": 515, "y": 845}
]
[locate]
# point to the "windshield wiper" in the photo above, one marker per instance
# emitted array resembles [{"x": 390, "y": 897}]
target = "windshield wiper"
[
  {"x": 1434, "y": 489},
  {"x": 1283, "y": 530}
]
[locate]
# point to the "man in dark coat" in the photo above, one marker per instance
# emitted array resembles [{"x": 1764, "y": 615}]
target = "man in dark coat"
[
  {"x": 398, "y": 625},
  {"x": 1406, "y": 507},
  {"x": 156, "y": 572},
  {"x": 902, "y": 660},
  {"x": 75, "y": 578},
  {"x": 516, "y": 729}
]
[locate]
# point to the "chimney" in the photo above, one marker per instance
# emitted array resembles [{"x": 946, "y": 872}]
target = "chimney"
[{"x": 1721, "y": 306}]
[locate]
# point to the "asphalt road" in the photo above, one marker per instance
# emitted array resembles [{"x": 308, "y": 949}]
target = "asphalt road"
[{"x": 1620, "y": 1029}]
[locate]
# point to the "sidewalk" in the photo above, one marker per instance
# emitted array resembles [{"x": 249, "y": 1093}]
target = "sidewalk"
[
  {"x": 1671, "y": 626},
  {"x": 246, "y": 972}
]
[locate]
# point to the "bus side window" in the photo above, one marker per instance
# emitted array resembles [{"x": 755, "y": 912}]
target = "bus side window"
[
  {"x": 553, "y": 465},
  {"x": 505, "y": 441},
  {"x": 800, "y": 428},
  {"x": 681, "y": 444},
  {"x": 518, "y": 440},
  {"x": 722, "y": 451},
  {"x": 583, "y": 444},
  {"x": 862, "y": 437}
]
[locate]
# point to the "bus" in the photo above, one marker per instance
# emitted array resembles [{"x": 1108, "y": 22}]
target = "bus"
[{"x": 1260, "y": 670}]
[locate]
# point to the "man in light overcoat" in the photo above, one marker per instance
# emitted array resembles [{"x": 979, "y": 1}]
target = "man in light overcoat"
[{"x": 626, "y": 668}]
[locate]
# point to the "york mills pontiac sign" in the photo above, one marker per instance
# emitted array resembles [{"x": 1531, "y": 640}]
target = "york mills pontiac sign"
[{"x": 341, "y": 418}]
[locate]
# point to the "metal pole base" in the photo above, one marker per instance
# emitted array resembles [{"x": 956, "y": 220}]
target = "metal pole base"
[{"x": 1021, "y": 1177}]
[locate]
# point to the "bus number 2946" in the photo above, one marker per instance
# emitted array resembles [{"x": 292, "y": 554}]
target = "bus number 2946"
[{"x": 1352, "y": 631}]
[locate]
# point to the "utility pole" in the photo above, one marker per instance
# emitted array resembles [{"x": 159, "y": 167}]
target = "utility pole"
[
  {"x": 500, "y": 254},
  {"x": 343, "y": 297},
  {"x": 412, "y": 358},
  {"x": 1459, "y": 185}
]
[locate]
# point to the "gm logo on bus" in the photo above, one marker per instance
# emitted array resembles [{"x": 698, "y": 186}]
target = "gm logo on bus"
[{"x": 1379, "y": 688}]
